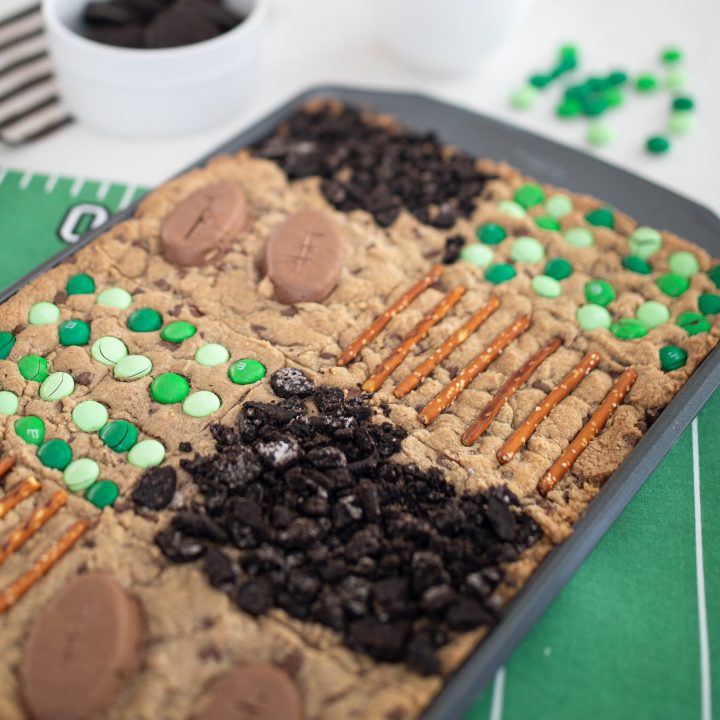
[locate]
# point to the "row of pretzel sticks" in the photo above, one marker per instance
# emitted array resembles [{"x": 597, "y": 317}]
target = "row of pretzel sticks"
[{"x": 7, "y": 463}]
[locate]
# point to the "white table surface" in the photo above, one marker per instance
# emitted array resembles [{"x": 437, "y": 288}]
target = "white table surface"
[{"x": 322, "y": 41}]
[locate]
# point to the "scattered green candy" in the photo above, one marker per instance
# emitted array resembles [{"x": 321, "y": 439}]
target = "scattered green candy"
[
  {"x": 591, "y": 317},
  {"x": 169, "y": 388},
  {"x": 57, "y": 386},
  {"x": 670, "y": 56},
  {"x": 102, "y": 494},
  {"x": 178, "y": 331},
  {"x": 246, "y": 371},
  {"x": 31, "y": 429},
  {"x": 579, "y": 237},
  {"x": 146, "y": 454},
  {"x": 80, "y": 284},
  {"x": 133, "y": 367},
  {"x": 558, "y": 268},
  {"x": 618, "y": 77},
  {"x": 500, "y": 273},
  {"x": 657, "y": 144},
  {"x": 55, "y": 454},
  {"x": 511, "y": 208},
  {"x": 201, "y": 404},
  {"x": 653, "y": 313},
  {"x": 90, "y": 415},
  {"x": 7, "y": 341},
  {"x": 675, "y": 80},
  {"x": 594, "y": 104},
  {"x": 644, "y": 242},
  {"x": 637, "y": 264},
  {"x": 709, "y": 304},
  {"x": 9, "y": 402},
  {"x": 569, "y": 108},
  {"x": 599, "y": 292},
  {"x": 491, "y": 233},
  {"x": 477, "y": 254},
  {"x": 646, "y": 83},
  {"x": 529, "y": 195},
  {"x": 540, "y": 81},
  {"x": 672, "y": 357},
  {"x": 601, "y": 217},
  {"x": 629, "y": 329},
  {"x": 527, "y": 249},
  {"x": 109, "y": 350},
  {"x": 115, "y": 297},
  {"x": 599, "y": 133},
  {"x": 74, "y": 332},
  {"x": 524, "y": 97},
  {"x": 44, "y": 313},
  {"x": 547, "y": 222},
  {"x": 212, "y": 354},
  {"x": 614, "y": 97},
  {"x": 693, "y": 323},
  {"x": 683, "y": 103},
  {"x": 33, "y": 368},
  {"x": 145, "y": 320},
  {"x": 673, "y": 285},
  {"x": 683, "y": 263},
  {"x": 680, "y": 123},
  {"x": 714, "y": 275},
  {"x": 119, "y": 435},
  {"x": 80, "y": 474},
  {"x": 546, "y": 286},
  {"x": 558, "y": 205}
]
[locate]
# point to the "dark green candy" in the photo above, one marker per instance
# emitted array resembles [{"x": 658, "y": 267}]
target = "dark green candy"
[
  {"x": 119, "y": 435},
  {"x": 672, "y": 357},
  {"x": 657, "y": 144},
  {"x": 540, "y": 81},
  {"x": 601, "y": 217},
  {"x": 558, "y": 268},
  {"x": 102, "y": 493},
  {"x": 547, "y": 223},
  {"x": 177, "y": 331},
  {"x": 617, "y": 78},
  {"x": 594, "y": 104},
  {"x": 74, "y": 332},
  {"x": 637, "y": 264},
  {"x": 683, "y": 103},
  {"x": 80, "y": 285},
  {"x": 693, "y": 323},
  {"x": 713, "y": 274},
  {"x": 570, "y": 107},
  {"x": 673, "y": 285},
  {"x": 629, "y": 329},
  {"x": 55, "y": 454},
  {"x": 31, "y": 429},
  {"x": 7, "y": 341},
  {"x": 33, "y": 368},
  {"x": 709, "y": 304},
  {"x": 500, "y": 273},
  {"x": 145, "y": 320},
  {"x": 169, "y": 388},
  {"x": 491, "y": 233},
  {"x": 599, "y": 292}
]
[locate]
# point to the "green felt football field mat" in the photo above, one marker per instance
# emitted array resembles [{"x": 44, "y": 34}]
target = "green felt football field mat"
[{"x": 635, "y": 635}]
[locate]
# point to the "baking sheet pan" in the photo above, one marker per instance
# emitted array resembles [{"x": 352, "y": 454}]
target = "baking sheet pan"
[{"x": 553, "y": 163}]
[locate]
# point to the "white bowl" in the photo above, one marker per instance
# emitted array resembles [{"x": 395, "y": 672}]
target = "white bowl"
[{"x": 157, "y": 93}]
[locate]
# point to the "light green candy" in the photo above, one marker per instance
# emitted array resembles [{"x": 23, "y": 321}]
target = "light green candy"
[
  {"x": 108, "y": 350},
  {"x": 579, "y": 237},
  {"x": 644, "y": 242},
  {"x": 546, "y": 286},
  {"x": 683, "y": 263},
  {"x": 524, "y": 97},
  {"x": 115, "y": 297},
  {"x": 590, "y": 317},
  {"x": 80, "y": 474},
  {"x": 90, "y": 415},
  {"x": 680, "y": 123},
  {"x": 44, "y": 313},
  {"x": 675, "y": 80},
  {"x": 133, "y": 367},
  {"x": 477, "y": 254},
  {"x": 558, "y": 205},
  {"x": 599, "y": 133},
  {"x": 653, "y": 313},
  {"x": 527, "y": 250},
  {"x": 212, "y": 354},
  {"x": 9, "y": 402},
  {"x": 511, "y": 208},
  {"x": 147, "y": 454},
  {"x": 56, "y": 386},
  {"x": 201, "y": 404}
]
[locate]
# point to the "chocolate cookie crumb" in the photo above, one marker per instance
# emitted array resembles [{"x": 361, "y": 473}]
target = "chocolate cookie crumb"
[{"x": 156, "y": 488}]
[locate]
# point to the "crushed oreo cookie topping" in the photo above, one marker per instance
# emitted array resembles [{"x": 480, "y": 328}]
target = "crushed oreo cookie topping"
[{"x": 331, "y": 529}]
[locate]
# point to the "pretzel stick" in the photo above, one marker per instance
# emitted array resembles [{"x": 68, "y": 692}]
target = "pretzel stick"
[
  {"x": 528, "y": 426},
  {"x": 390, "y": 364},
  {"x": 411, "y": 381},
  {"x": 6, "y": 465},
  {"x": 480, "y": 362},
  {"x": 44, "y": 564},
  {"x": 587, "y": 433},
  {"x": 386, "y": 316},
  {"x": 18, "y": 537},
  {"x": 508, "y": 389},
  {"x": 21, "y": 491}
]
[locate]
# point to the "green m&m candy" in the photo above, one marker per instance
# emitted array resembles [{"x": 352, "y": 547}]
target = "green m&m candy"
[
  {"x": 646, "y": 83},
  {"x": 477, "y": 254},
  {"x": 246, "y": 371},
  {"x": 169, "y": 388},
  {"x": 90, "y": 415},
  {"x": 7, "y": 342},
  {"x": 31, "y": 429},
  {"x": 529, "y": 195},
  {"x": 511, "y": 208},
  {"x": 80, "y": 474},
  {"x": 591, "y": 317},
  {"x": 212, "y": 354},
  {"x": 683, "y": 103},
  {"x": 201, "y": 404},
  {"x": 683, "y": 263},
  {"x": 546, "y": 286},
  {"x": 709, "y": 304},
  {"x": 713, "y": 274},
  {"x": 108, "y": 350},
  {"x": 55, "y": 454},
  {"x": 546, "y": 222},
  {"x": 176, "y": 332},
  {"x": 653, "y": 313},
  {"x": 637, "y": 264},
  {"x": 629, "y": 329},
  {"x": 671, "y": 55},
  {"x": 500, "y": 273},
  {"x": 102, "y": 494},
  {"x": 524, "y": 97},
  {"x": 558, "y": 205},
  {"x": 43, "y": 313},
  {"x": 119, "y": 435},
  {"x": 57, "y": 386},
  {"x": 579, "y": 237},
  {"x": 673, "y": 285},
  {"x": 80, "y": 284},
  {"x": 644, "y": 242},
  {"x": 657, "y": 144},
  {"x": 693, "y": 323},
  {"x": 602, "y": 217},
  {"x": 9, "y": 402},
  {"x": 558, "y": 268},
  {"x": 33, "y": 368},
  {"x": 145, "y": 320},
  {"x": 115, "y": 297},
  {"x": 147, "y": 453},
  {"x": 132, "y": 367},
  {"x": 74, "y": 332},
  {"x": 599, "y": 292},
  {"x": 491, "y": 233},
  {"x": 599, "y": 133},
  {"x": 672, "y": 358},
  {"x": 527, "y": 250},
  {"x": 680, "y": 123}
]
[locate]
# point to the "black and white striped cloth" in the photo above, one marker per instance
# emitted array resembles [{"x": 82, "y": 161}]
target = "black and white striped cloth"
[{"x": 30, "y": 106}]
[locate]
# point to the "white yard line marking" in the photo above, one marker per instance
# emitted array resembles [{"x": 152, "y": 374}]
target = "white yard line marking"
[
  {"x": 25, "y": 180},
  {"x": 3, "y": 173},
  {"x": 498, "y": 697},
  {"x": 77, "y": 187},
  {"x": 705, "y": 677},
  {"x": 51, "y": 183},
  {"x": 127, "y": 197},
  {"x": 102, "y": 190}
]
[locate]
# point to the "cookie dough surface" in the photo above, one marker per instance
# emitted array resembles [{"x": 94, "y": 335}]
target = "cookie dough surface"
[{"x": 195, "y": 632}]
